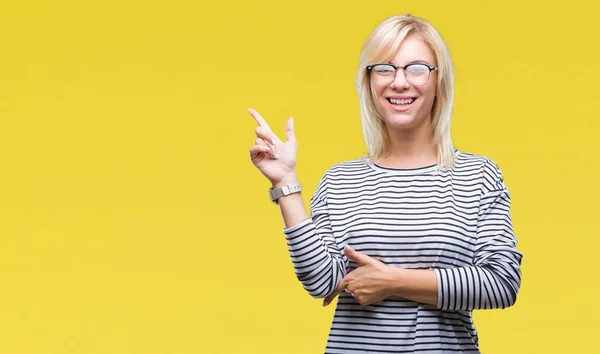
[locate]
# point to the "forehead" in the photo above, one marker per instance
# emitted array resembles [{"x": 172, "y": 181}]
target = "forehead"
[{"x": 413, "y": 48}]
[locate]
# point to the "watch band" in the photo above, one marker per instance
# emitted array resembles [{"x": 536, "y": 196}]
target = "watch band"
[{"x": 284, "y": 190}]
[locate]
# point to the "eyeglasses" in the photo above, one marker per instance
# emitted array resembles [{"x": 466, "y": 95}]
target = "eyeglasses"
[{"x": 416, "y": 74}]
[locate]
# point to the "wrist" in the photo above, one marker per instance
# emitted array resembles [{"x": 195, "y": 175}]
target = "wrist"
[
  {"x": 291, "y": 178},
  {"x": 396, "y": 281}
]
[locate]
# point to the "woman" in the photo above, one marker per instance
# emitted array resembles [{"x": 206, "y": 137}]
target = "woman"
[{"x": 415, "y": 235}]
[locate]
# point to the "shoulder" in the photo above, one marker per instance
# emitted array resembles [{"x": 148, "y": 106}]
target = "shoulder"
[
  {"x": 490, "y": 174},
  {"x": 347, "y": 167},
  {"x": 339, "y": 172},
  {"x": 357, "y": 164}
]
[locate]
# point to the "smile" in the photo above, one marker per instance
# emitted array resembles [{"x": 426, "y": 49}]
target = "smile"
[{"x": 401, "y": 102}]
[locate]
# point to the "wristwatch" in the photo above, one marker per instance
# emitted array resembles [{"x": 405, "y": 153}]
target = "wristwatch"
[{"x": 284, "y": 190}]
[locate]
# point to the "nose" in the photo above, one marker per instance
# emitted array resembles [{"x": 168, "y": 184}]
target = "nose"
[{"x": 399, "y": 82}]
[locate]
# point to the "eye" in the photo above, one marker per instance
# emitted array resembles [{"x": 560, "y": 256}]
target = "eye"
[
  {"x": 384, "y": 69},
  {"x": 417, "y": 69}
]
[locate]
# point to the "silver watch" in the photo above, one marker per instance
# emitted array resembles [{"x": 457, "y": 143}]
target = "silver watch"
[{"x": 284, "y": 190}]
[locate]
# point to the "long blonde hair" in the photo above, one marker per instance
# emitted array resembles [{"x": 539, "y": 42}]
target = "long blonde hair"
[{"x": 382, "y": 45}]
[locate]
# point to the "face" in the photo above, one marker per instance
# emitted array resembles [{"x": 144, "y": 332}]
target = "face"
[{"x": 414, "y": 108}]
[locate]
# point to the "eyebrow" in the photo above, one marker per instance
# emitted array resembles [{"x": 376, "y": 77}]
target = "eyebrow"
[{"x": 413, "y": 62}]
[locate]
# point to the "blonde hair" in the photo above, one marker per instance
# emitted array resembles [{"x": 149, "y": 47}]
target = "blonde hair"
[{"x": 382, "y": 45}]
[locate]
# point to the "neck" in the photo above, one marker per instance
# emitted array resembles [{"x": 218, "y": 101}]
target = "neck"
[{"x": 410, "y": 148}]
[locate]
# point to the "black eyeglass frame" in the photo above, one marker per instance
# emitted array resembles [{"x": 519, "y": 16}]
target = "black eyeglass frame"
[{"x": 396, "y": 67}]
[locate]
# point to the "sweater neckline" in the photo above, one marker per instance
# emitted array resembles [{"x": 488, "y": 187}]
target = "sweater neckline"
[{"x": 406, "y": 171}]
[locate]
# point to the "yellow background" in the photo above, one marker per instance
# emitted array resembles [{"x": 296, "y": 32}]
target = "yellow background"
[{"x": 132, "y": 221}]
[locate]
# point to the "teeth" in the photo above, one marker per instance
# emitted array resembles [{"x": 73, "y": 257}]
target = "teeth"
[{"x": 403, "y": 101}]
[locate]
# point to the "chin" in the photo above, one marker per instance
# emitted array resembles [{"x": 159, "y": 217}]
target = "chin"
[{"x": 402, "y": 121}]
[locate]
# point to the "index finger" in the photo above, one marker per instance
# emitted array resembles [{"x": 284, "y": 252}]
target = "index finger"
[{"x": 258, "y": 118}]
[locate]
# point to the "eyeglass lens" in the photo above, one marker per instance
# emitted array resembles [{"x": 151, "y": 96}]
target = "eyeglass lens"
[{"x": 416, "y": 74}]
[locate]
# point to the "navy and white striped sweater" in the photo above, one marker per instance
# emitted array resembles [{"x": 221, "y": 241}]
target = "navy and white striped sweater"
[{"x": 456, "y": 222}]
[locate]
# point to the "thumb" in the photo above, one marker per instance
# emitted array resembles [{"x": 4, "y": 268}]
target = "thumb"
[
  {"x": 360, "y": 258},
  {"x": 290, "y": 134}
]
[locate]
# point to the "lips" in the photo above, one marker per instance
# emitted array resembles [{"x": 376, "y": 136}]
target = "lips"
[
  {"x": 401, "y": 104},
  {"x": 401, "y": 101}
]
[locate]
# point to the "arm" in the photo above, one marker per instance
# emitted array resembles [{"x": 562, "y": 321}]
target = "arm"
[
  {"x": 419, "y": 285},
  {"x": 495, "y": 277},
  {"x": 318, "y": 263},
  {"x": 373, "y": 281},
  {"x": 291, "y": 206}
]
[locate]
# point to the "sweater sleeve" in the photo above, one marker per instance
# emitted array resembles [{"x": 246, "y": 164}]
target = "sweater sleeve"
[
  {"x": 495, "y": 277},
  {"x": 318, "y": 261}
]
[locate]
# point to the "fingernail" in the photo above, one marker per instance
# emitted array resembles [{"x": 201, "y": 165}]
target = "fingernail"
[
  {"x": 348, "y": 248},
  {"x": 273, "y": 141},
  {"x": 266, "y": 148},
  {"x": 275, "y": 156},
  {"x": 325, "y": 303}
]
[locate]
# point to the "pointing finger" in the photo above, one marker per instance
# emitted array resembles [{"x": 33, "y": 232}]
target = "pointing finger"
[{"x": 258, "y": 118}]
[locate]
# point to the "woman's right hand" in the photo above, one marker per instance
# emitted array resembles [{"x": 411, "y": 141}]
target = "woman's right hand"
[{"x": 274, "y": 158}]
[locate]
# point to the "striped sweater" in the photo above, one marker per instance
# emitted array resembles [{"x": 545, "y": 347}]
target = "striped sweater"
[{"x": 456, "y": 222}]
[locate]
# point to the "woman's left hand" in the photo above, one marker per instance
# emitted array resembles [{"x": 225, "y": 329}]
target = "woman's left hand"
[{"x": 369, "y": 283}]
